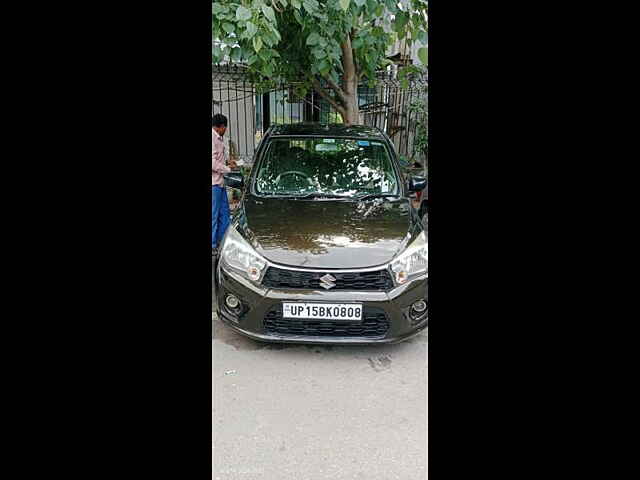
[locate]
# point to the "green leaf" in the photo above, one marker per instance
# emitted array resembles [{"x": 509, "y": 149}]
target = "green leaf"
[
  {"x": 257, "y": 43},
  {"x": 313, "y": 39},
  {"x": 217, "y": 54},
  {"x": 323, "y": 66},
  {"x": 226, "y": 16},
  {"x": 319, "y": 53},
  {"x": 392, "y": 5},
  {"x": 310, "y": 5},
  {"x": 344, "y": 4},
  {"x": 217, "y": 8},
  {"x": 243, "y": 13},
  {"x": 359, "y": 2},
  {"x": 422, "y": 55},
  {"x": 265, "y": 55},
  {"x": 236, "y": 54},
  {"x": 269, "y": 13},
  {"x": 252, "y": 59},
  {"x": 296, "y": 4},
  {"x": 296, "y": 14},
  {"x": 268, "y": 39},
  {"x": 229, "y": 28},
  {"x": 250, "y": 31},
  {"x": 401, "y": 21}
]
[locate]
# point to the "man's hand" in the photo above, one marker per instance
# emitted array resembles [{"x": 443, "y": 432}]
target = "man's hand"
[{"x": 232, "y": 164}]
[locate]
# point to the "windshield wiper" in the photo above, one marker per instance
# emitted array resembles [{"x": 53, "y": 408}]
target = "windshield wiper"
[{"x": 376, "y": 195}]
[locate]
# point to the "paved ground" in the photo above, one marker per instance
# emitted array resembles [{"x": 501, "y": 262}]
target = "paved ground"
[{"x": 296, "y": 412}]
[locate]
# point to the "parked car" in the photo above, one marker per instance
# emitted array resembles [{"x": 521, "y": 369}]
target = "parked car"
[{"x": 325, "y": 246}]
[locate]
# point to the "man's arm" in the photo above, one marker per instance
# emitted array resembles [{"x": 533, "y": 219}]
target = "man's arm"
[{"x": 218, "y": 165}]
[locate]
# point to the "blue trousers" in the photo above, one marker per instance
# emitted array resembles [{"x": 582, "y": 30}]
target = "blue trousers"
[{"x": 219, "y": 214}]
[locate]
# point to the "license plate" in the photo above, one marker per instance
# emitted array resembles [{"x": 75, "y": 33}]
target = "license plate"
[{"x": 323, "y": 311}]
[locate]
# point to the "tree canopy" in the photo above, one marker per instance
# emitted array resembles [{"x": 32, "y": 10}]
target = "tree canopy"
[{"x": 330, "y": 45}]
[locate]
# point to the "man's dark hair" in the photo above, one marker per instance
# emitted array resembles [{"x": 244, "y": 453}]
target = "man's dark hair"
[{"x": 219, "y": 120}]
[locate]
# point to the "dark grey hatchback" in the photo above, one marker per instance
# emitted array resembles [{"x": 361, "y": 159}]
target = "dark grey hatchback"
[{"x": 325, "y": 246}]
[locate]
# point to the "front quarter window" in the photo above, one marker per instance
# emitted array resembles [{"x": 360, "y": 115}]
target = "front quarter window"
[{"x": 336, "y": 166}]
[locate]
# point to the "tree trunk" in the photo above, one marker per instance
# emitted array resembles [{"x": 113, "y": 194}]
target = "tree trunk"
[
  {"x": 345, "y": 100},
  {"x": 351, "y": 111},
  {"x": 349, "y": 85}
]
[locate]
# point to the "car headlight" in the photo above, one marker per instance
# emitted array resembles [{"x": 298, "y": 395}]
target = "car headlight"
[
  {"x": 241, "y": 257},
  {"x": 412, "y": 262}
]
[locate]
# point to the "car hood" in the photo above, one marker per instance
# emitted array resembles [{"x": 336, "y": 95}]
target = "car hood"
[{"x": 326, "y": 233}]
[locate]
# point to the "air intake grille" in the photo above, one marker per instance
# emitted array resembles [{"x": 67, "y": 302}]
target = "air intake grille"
[
  {"x": 374, "y": 324},
  {"x": 292, "y": 279}
]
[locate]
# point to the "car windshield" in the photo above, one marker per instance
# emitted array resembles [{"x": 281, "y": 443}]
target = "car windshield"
[{"x": 326, "y": 166}]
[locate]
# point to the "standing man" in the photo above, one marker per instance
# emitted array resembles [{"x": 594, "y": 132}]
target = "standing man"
[{"x": 220, "y": 204}]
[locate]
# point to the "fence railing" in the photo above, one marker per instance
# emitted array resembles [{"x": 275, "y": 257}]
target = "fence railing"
[{"x": 249, "y": 113}]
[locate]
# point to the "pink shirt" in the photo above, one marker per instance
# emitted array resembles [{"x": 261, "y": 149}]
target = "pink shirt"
[{"x": 219, "y": 160}]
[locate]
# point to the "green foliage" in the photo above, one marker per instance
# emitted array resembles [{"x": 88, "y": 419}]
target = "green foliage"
[
  {"x": 422, "y": 55},
  {"x": 334, "y": 117},
  {"x": 287, "y": 39}
]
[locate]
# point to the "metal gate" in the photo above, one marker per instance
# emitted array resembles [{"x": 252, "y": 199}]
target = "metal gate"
[{"x": 249, "y": 114}]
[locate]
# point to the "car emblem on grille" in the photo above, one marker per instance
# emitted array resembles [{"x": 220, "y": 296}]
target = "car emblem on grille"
[{"x": 327, "y": 280}]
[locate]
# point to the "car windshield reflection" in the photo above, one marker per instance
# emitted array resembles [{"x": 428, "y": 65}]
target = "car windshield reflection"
[{"x": 326, "y": 168}]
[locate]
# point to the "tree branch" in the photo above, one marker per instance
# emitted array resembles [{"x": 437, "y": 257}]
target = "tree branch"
[
  {"x": 334, "y": 86},
  {"x": 324, "y": 94}
]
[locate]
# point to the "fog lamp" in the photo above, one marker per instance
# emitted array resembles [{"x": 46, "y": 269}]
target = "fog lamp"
[
  {"x": 420, "y": 306},
  {"x": 232, "y": 301}
]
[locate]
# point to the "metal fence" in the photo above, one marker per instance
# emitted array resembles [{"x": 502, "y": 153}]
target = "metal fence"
[{"x": 385, "y": 105}]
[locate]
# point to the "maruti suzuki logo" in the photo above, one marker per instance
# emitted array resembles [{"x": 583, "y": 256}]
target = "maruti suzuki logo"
[{"x": 327, "y": 280}]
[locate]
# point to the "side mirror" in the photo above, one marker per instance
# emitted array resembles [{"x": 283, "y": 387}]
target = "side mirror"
[
  {"x": 417, "y": 184},
  {"x": 234, "y": 180}
]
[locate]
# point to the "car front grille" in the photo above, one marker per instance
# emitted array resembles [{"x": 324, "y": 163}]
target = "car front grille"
[
  {"x": 292, "y": 279},
  {"x": 374, "y": 324}
]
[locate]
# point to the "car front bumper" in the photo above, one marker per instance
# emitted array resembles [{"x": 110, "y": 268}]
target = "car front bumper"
[{"x": 259, "y": 302}]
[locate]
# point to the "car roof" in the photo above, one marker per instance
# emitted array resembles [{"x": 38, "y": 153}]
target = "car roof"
[{"x": 326, "y": 129}]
